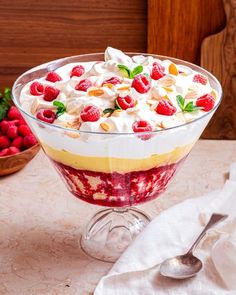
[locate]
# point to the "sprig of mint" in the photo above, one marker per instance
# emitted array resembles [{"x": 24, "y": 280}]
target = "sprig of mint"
[
  {"x": 5, "y": 102},
  {"x": 60, "y": 108},
  {"x": 111, "y": 110},
  {"x": 189, "y": 107},
  {"x": 130, "y": 73}
]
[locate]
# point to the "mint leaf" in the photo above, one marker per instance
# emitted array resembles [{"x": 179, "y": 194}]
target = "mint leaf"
[
  {"x": 137, "y": 70},
  {"x": 128, "y": 73},
  {"x": 60, "y": 108},
  {"x": 5, "y": 102},
  {"x": 7, "y": 93},
  {"x": 3, "y": 112},
  {"x": 108, "y": 110},
  {"x": 190, "y": 107},
  {"x": 180, "y": 101}
]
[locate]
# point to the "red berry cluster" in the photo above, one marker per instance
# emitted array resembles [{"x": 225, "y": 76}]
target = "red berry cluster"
[{"x": 15, "y": 134}]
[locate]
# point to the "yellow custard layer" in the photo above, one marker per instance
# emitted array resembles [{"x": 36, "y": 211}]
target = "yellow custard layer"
[{"x": 122, "y": 165}]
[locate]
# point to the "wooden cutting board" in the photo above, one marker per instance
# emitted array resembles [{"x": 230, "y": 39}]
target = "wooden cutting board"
[{"x": 218, "y": 55}]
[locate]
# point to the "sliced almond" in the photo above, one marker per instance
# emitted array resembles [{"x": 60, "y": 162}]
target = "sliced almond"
[
  {"x": 116, "y": 113},
  {"x": 160, "y": 125},
  {"x": 106, "y": 126},
  {"x": 132, "y": 110},
  {"x": 167, "y": 81},
  {"x": 168, "y": 89},
  {"x": 34, "y": 106},
  {"x": 191, "y": 95},
  {"x": 73, "y": 134},
  {"x": 124, "y": 88},
  {"x": 108, "y": 85},
  {"x": 184, "y": 74},
  {"x": 173, "y": 69},
  {"x": 95, "y": 92},
  {"x": 214, "y": 94},
  {"x": 151, "y": 102}
]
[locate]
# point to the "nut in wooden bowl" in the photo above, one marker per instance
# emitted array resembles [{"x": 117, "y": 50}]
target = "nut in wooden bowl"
[{"x": 13, "y": 163}]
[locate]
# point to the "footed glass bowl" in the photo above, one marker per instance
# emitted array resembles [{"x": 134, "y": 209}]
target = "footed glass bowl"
[{"x": 115, "y": 170}]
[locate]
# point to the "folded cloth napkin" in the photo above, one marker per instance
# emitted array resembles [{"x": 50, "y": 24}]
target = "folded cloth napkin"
[{"x": 172, "y": 233}]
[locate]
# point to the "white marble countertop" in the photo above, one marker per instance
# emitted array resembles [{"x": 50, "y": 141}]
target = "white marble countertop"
[{"x": 41, "y": 222}]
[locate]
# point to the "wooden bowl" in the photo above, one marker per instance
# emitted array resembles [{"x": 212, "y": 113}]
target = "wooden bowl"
[{"x": 13, "y": 163}]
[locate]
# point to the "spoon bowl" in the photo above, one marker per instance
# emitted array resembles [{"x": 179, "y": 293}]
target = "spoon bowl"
[{"x": 181, "y": 267}]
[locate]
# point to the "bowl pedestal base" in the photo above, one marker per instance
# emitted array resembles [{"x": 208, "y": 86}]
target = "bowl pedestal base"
[{"x": 110, "y": 232}]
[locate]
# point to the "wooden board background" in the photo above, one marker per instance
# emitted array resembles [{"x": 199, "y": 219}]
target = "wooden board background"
[{"x": 33, "y": 32}]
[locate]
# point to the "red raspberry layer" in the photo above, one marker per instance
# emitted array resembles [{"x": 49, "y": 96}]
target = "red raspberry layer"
[{"x": 117, "y": 189}]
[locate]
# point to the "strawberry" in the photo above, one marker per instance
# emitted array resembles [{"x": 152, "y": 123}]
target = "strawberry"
[
  {"x": 36, "y": 88},
  {"x": 165, "y": 107},
  {"x": 200, "y": 79},
  {"x": 83, "y": 85},
  {"x": 90, "y": 113},
  {"x": 205, "y": 102},
  {"x": 50, "y": 93},
  {"x": 125, "y": 102},
  {"x": 77, "y": 71},
  {"x": 29, "y": 140},
  {"x": 46, "y": 115},
  {"x": 141, "y": 83},
  {"x": 53, "y": 77},
  {"x": 4, "y": 142}
]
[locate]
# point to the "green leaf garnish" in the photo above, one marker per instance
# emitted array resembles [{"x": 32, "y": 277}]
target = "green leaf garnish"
[
  {"x": 108, "y": 110},
  {"x": 189, "y": 107},
  {"x": 5, "y": 103},
  {"x": 130, "y": 73},
  {"x": 60, "y": 108}
]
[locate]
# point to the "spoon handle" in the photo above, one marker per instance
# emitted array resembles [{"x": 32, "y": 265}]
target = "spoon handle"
[{"x": 215, "y": 218}]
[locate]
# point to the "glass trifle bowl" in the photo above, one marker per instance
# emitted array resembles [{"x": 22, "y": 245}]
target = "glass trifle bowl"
[{"x": 115, "y": 169}]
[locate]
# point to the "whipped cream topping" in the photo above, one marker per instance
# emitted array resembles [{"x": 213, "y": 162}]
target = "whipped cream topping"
[{"x": 177, "y": 80}]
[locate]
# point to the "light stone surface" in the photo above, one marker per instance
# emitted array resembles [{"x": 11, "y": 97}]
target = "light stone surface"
[{"x": 41, "y": 222}]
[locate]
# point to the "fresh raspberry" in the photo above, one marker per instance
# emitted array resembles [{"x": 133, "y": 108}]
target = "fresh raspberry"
[
  {"x": 125, "y": 102},
  {"x": 50, "y": 93},
  {"x": 112, "y": 80},
  {"x": 205, "y": 102},
  {"x": 36, "y": 88},
  {"x": 12, "y": 132},
  {"x": 4, "y": 125},
  {"x": 200, "y": 79},
  {"x": 46, "y": 115},
  {"x": 164, "y": 107},
  {"x": 18, "y": 142},
  {"x": 53, "y": 77},
  {"x": 4, "y": 152},
  {"x": 90, "y": 113},
  {"x": 12, "y": 150},
  {"x": 24, "y": 130},
  {"x": 22, "y": 121},
  {"x": 29, "y": 140},
  {"x": 4, "y": 142},
  {"x": 142, "y": 126},
  {"x": 13, "y": 113},
  {"x": 77, "y": 71},
  {"x": 83, "y": 85},
  {"x": 141, "y": 83},
  {"x": 157, "y": 71}
]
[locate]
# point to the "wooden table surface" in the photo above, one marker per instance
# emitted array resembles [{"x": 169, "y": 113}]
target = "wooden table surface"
[{"x": 41, "y": 222}]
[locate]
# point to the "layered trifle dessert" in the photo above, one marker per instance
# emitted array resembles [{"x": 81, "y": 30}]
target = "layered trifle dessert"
[{"x": 117, "y": 129}]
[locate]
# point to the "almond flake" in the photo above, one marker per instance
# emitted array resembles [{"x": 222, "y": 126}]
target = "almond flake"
[
  {"x": 95, "y": 92},
  {"x": 116, "y": 113},
  {"x": 106, "y": 115},
  {"x": 151, "y": 102},
  {"x": 108, "y": 85},
  {"x": 173, "y": 69},
  {"x": 106, "y": 126},
  {"x": 124, "y": 88},
  {"x": 132, "y": 110},
  {"x": 168, "y": 89},
  {"x": 214, "y": 94},
  {"x": 167, "y": 81},
  {"x": 191, "y": 95}
]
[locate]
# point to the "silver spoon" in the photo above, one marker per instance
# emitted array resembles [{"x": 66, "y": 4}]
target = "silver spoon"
[{"x": 187, "y": 265}]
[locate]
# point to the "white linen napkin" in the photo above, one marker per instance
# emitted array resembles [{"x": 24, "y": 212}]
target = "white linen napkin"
[{"x": 172, "y": 233}]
